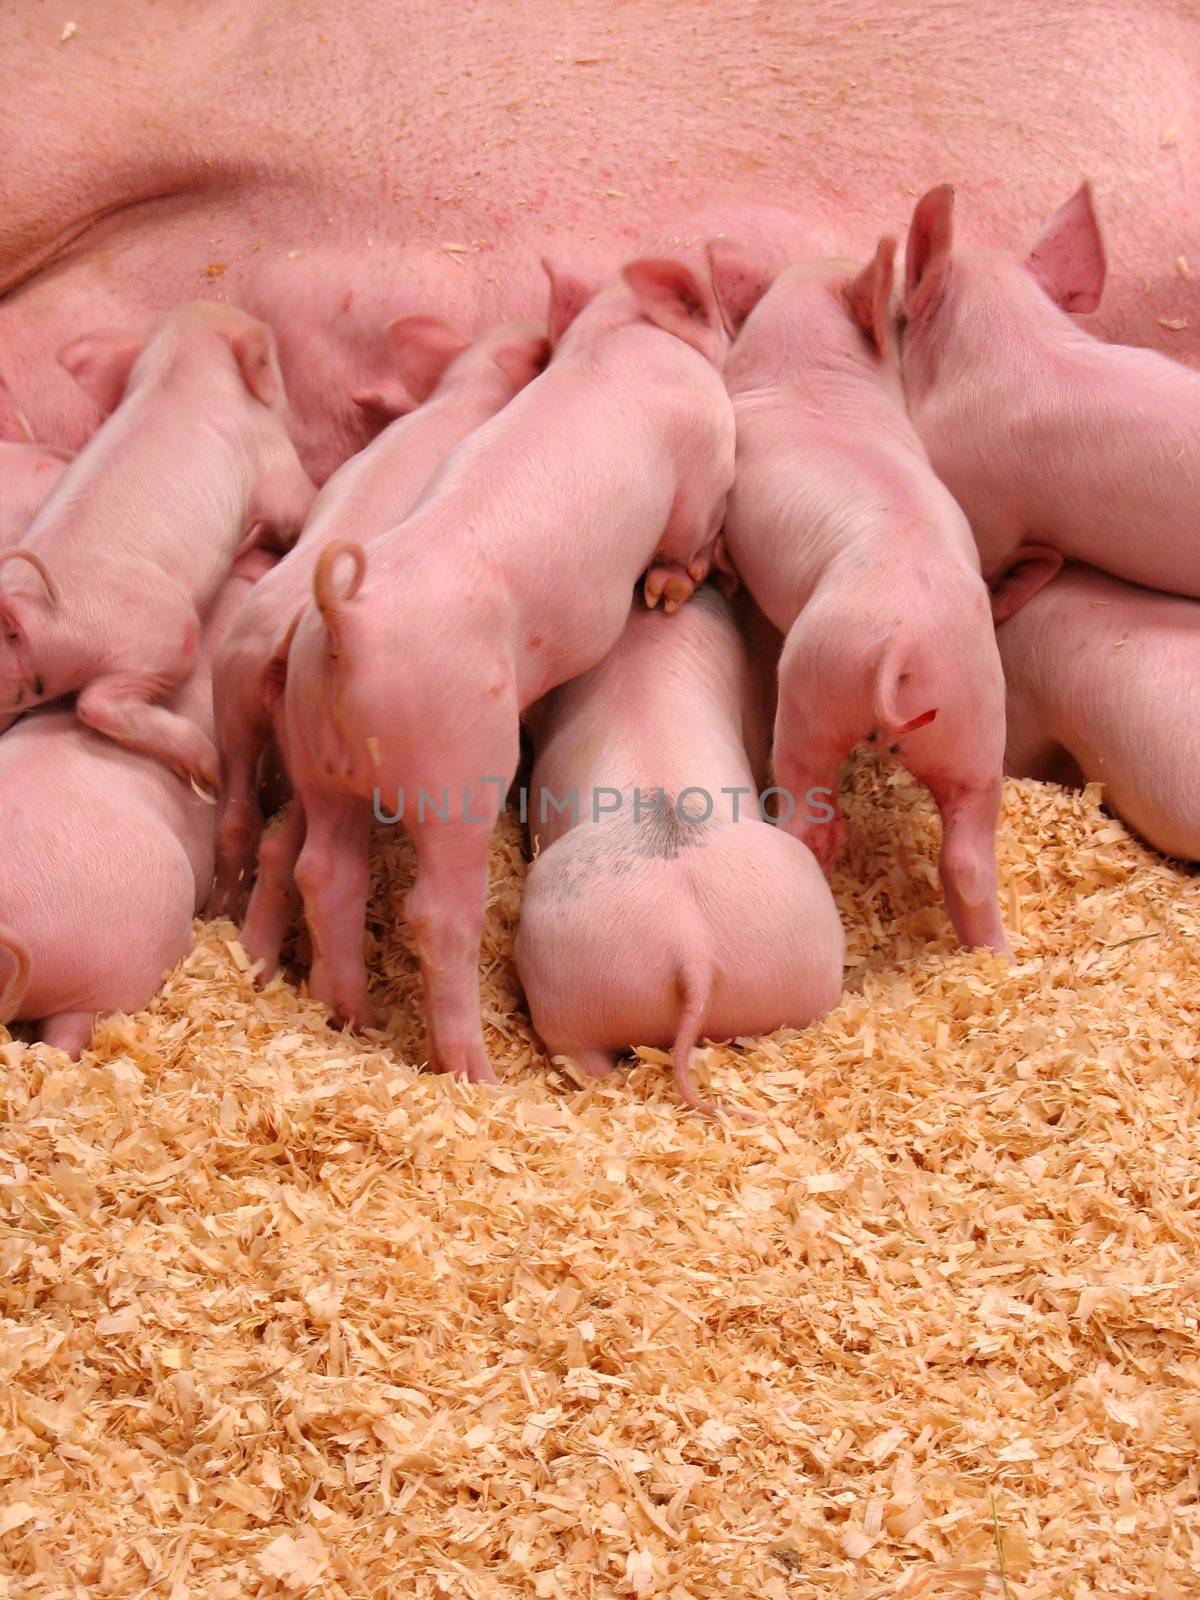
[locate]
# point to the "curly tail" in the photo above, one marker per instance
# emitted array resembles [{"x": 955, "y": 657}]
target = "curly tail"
[
  {"x": 331, "y": 604},
  {"x": 695, "y": 996},
  {"x": 17, "y": 552},
  {"x": 14, "y": 975},
  {"x": 697, "y": 986},
  {"x": 891, "y": 675}
]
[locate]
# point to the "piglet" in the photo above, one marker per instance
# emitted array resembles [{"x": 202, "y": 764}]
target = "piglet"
[
  {"x": 104, "y": 593},
  {"x": 28, "y": 472},
  {"x": 858, "y": 554},
  {"x": 1054, "y": 443},
  {"x": 461, "y": 386},
  {"x": 661, "y": 906},
  {"x": 106, "y": 857},
  {"x": 1102, "y": 679},
  {"x": 408, "y": 673}
]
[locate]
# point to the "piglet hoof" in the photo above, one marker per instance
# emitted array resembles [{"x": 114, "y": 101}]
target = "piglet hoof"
[
  {"x": 360, "y": 1018},
  {"x": 475, "y": 1068},
  {"x": 670, "y": 583},
  {"x": 201, "y": 770},
  {"x": 596, "y": 1063}
]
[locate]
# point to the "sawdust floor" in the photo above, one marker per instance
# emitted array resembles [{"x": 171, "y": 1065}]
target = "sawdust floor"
[{"x": 281, "y": 1316}]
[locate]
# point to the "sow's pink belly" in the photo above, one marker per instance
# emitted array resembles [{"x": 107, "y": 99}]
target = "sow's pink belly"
[{"x": 338, "y": 166}]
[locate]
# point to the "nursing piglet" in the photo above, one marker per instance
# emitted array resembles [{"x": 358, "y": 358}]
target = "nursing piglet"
[
  {"x": 1103, "y": 682},
  {"x": 661, "y": 907},
  {"x": 513, "y": 574},
  {"x": 106, "y": 857},
  {"x": 105, "y": 591},
  {"x": 858, "y": 554},
  {"x": 1054, "y": 443},
  {"x": 461, "y": 386}
]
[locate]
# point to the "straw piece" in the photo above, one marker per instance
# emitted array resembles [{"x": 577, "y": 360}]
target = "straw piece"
[{"x": 280, "y": 1315}]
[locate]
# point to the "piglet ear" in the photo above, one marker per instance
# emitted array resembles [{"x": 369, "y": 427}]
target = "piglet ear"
[
  {"x": 739, "y": 282},
  {"x": 930, "y": 237},
  {"x": 568, "y": 296},
  {"x": 422, "y": 348},
  {"x": 672, "y": 297},
  {"x": 870, "y": 295},
  {"x": 254, "y": 349},
  {"x": 1031, "y": 568},
  {"x": 100, "y": 363},
  {"x": 16, "y": 552},
  {"x": 1068, "y": 259},
  {"x": 386, "y": 403},
  {"x": 523, "y": 360}
]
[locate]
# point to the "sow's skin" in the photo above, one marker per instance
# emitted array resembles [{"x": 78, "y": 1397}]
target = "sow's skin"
[
  {"x": 639, "y": 926},
  {"x": 1102, "y": 688},
  {"x": 514, "y": 574},
  {"x": 141, "y": 170},
  {"x": 1054, "y": 443},
  {"x": 106, "y": 857},
  {"x": 104, "y": 593},
  {"x": 455, "y": 387},
  {"x": 854, "y": 550}
]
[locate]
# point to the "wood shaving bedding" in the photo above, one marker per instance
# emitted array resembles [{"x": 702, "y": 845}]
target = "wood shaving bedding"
[{"x": 281, "y": 1316}]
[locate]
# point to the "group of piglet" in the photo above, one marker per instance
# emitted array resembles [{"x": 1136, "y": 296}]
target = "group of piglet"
[{"x": 871, "y": 479}]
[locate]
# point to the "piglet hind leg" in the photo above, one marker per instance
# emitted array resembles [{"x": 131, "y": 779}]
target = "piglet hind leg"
[
  {"x": 691, "y": 544},
  {"x": 445, "y": 910},
  {"x": 809, "y": 802},
  {"x": 118, "y": 705},
  {"x": 968, "y": 864},
  {"x": 275, "y": 898},
  {"x": 70, "y": 1031},
  {"x": 333, "y": 876}
]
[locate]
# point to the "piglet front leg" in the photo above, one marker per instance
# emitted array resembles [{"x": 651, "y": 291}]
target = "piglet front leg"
[
  {"x": 239, "y": 814},
  {"x": 275, "y": 898}
]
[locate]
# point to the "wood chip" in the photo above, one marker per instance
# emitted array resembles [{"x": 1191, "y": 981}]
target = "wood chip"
[{"x": 281, "y": 1315}]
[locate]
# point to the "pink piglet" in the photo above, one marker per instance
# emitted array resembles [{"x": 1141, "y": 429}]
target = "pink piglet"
[
  {"x": 409, "y": 671},
  {"x": 104, "y": 593},
  {"x": 860, "y": 556}
]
